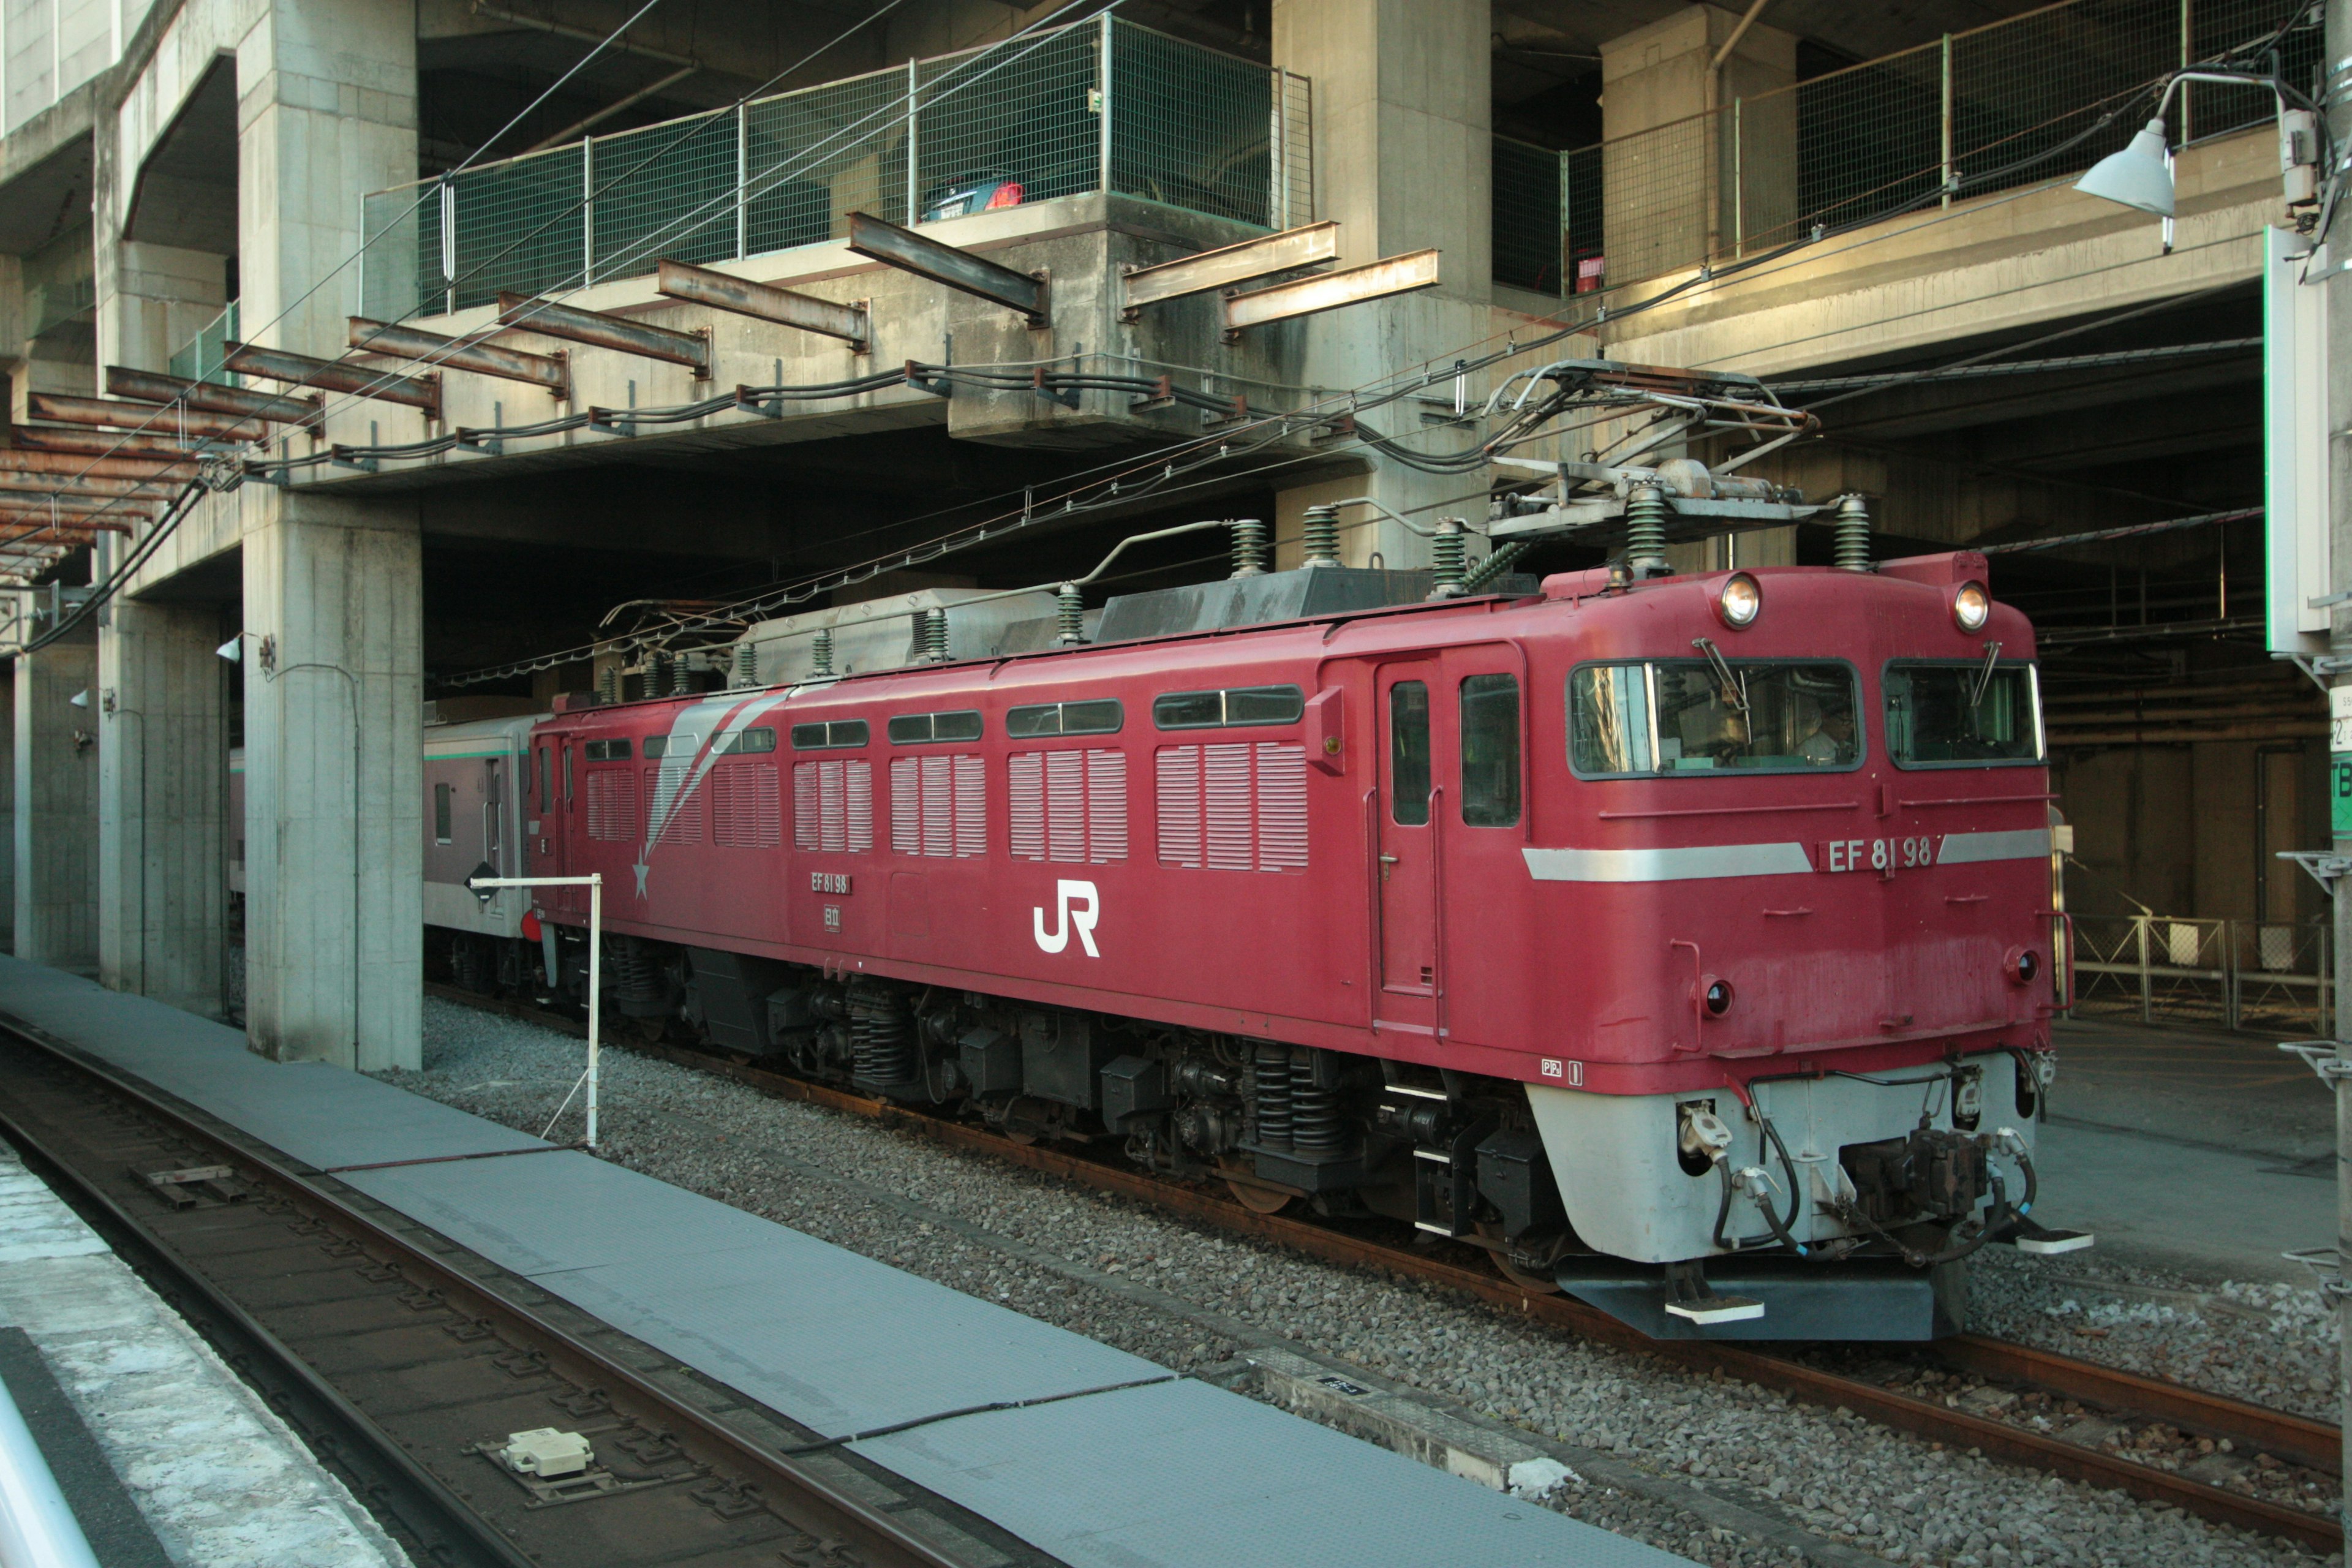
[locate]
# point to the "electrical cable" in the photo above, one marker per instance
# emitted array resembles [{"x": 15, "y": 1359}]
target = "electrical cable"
[{"x": 175, "y": 514}]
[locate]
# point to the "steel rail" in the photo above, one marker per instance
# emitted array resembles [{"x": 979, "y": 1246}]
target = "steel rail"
[
  {"x": 2285, "y": 1436},
  {"x": 873, "y": 1535},
  {"x": 450, "y": 1532}
]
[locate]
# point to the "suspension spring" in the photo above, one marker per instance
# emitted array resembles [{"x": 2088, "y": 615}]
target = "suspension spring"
[
  {"x": 1315, "y": 1125},
  {"x": 1249, "y": 546},
  {"x": 1320, "y": 536},
  {"x": 882, "y": 1041},
  {"x": 633, "y": 969},
  {"x": 1645, "y": 532},
  {"x": 1273, "y": 1072}
]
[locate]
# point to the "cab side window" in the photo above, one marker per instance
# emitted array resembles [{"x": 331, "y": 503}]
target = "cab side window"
[
  {"x": 1490, "y": 750},
  {"x": 1409, "y": 752}
]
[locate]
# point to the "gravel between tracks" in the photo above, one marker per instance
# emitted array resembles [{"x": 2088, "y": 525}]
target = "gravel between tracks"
[{"x": 1033, "y": 1242}]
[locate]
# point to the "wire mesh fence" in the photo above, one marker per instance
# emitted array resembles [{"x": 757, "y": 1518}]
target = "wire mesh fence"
[
  {"x": 2035, "y": 96},
  {"x": 2233, "y": 974},
  {"x": 1100, "y": 105},
  {"x": 1527, "y": 228}
]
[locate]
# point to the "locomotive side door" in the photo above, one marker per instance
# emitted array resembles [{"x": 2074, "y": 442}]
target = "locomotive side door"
[
  {"x": 1406, "y": 868},
  {"x": 559, "y": 827}
]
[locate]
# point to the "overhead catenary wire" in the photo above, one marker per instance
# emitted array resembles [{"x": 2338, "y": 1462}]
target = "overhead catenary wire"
[
  {"x": 1404, "y": 383},
  {"x": 176, "y": 407}
]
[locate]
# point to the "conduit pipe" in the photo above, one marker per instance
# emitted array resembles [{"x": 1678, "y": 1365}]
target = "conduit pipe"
[{"x": 38, "y": 1527}]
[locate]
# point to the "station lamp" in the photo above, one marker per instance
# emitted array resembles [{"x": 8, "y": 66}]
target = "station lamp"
[{"x": 2140, "y": 176}]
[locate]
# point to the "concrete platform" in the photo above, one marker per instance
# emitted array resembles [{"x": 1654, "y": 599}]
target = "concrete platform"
[
  {"x": 216, "y": 1478},
  {"x": 2194, "y": 1150},
  {"x": 1103, "y": 1459}
]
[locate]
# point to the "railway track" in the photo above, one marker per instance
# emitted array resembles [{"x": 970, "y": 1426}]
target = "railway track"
[
  {"x": 2127, "y": 1432},
  {"x": 405, "y": 1362}
]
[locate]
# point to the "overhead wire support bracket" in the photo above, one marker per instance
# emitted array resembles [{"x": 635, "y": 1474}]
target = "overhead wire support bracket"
[
  {"x": 1066, "y": 397},
  {"x": 2326, "y": 868},
  {"x": 1380, "y": 279},
  {"x": 622, "y": 334},
  {"x": 1309, "y": 245},
  {"x": 751, "y": 400},
  {"x": 1027, "y": 293},
  {"x": 929, "y": 378},
  {"x": 551, "y": 372},
  {"x": 2326, "y": 1058},
  {"x": 853, "y": 324},
  {"x": 211, "y": 397},
  {"x": 63, "y": 408},
  {"x": 277, "y": 365}
]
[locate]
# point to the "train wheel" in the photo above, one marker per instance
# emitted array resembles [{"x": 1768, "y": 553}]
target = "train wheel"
[
  {"x": 1533, "y": 1284},
  {"x": 1258, "y": 1199}
]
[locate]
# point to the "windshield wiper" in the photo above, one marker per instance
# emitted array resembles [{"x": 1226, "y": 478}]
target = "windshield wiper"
[
  {"x": 1734, "y": 685},
  {"x": 1984, "y": 677}
]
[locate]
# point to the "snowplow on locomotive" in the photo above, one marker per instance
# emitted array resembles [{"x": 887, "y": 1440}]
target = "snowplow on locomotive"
[{"x": 1685, "y": 942}]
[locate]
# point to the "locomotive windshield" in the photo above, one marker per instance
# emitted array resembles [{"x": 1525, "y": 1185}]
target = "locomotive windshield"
[
  {"x": 1962, "y": 714},
  {"x": 1712, "y": 714}
]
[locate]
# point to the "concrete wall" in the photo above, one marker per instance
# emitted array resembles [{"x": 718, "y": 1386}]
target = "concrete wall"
[
  {"x": 8, "y": 813},
  {"x": 2194, "y": 830},
  {"x": 57, "y": 807},
  {"x": 162, "y": 764}
]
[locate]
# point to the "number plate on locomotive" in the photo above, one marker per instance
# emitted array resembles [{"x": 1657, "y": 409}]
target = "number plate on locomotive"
[{"x": 1883, "y": 856}]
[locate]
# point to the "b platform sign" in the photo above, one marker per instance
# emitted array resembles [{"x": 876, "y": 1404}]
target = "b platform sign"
[{"x": 2339, "y": 761}]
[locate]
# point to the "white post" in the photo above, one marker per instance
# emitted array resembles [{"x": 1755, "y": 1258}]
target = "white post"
[
  {"x": 481, "y": 888},
  {"x": 595, "y": 960}
]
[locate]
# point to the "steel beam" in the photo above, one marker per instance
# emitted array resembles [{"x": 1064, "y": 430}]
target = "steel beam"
[
  {"x": 622, "y": 334},
  {"x": 461, "y": 354},
  {"x": 16, "y": 460},
  {"x": 115, "y": 519},
  {"x": 277, "y": 365},
  {"x": 146, "y": 387},
  {"x": 54, "y": 439},
  {"x": 63, "y": 485},
  {"x": 1286, "y": 301},
  {"x": 767, "y": 302},
  {"x": 1306, "y": 246},
  {"x": 34, "y": 527},
  {"x": 62, "y": 409},
  {"x": 927, "y": 258}
]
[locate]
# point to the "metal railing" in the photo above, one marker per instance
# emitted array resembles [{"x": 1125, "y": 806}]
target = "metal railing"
[
  {"x": 2231, "y": 973},
  {"x": 1976, "y": 111},
  {"x": 1098, "y": 105}
]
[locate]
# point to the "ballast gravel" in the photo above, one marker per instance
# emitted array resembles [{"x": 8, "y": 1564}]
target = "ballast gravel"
[{"x": 1056, "y": 1250}]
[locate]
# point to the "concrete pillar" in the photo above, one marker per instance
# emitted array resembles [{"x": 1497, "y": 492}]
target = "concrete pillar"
[
  {"x": 162, "y": 897},
  {"x": 8, "y": 814},
  {"x": 1404, "y": 150},
  {"x": 1679, "y": 187},
  {"x": 333, "y": 781},
  {"x": 56, "y": 806},
  {"x": 326, "y": 109}
]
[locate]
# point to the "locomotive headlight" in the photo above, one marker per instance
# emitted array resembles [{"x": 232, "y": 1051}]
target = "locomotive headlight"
[
  {"x": 1971, "y": 607},
  {"x": 1739, "y": 602}
]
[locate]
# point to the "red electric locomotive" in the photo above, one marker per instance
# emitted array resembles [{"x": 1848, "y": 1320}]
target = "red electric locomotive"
[{"x": 1685, "y": 942}]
